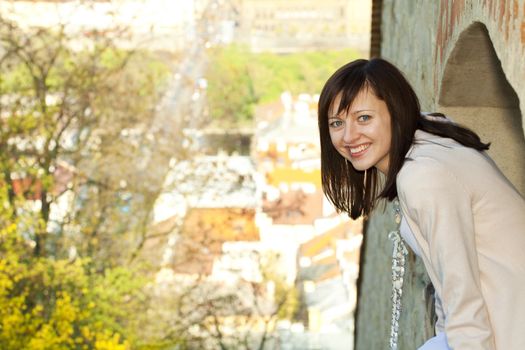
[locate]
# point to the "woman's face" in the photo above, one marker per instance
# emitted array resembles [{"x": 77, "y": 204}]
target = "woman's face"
[{"x": 363, "y": 133}]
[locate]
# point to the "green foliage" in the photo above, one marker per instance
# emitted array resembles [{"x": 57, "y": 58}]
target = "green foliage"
[
  {"x": 238, "y": 79},
  {"x": 69, "y": 106},
  {"x": 231, "y": 92},
  {"x": 61, "y": 304},
  {"x": 67, "y": 281}
]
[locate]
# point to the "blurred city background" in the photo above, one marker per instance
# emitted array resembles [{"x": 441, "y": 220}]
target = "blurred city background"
[{"x": 160, "y": 175}]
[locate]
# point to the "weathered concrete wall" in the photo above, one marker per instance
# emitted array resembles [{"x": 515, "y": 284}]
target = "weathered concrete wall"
[
  {"x": 420, "y": 35},
  {"x": 464, "y": 58}
]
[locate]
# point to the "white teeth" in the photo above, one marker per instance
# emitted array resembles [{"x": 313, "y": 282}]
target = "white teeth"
[{"x": 359, "y": 148}]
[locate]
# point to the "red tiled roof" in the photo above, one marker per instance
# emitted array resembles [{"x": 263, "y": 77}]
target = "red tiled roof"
[{"x": 295, "y": 208}]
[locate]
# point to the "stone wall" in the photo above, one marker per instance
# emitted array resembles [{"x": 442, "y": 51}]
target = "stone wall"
[
  {"x": 464, "y": 58},
  {"x": 374, "y": 307}
]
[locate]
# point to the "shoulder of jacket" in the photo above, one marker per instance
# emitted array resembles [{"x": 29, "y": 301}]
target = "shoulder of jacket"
[{"x": 424, "y": 172}]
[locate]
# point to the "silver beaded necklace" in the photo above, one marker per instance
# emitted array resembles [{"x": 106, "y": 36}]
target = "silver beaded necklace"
[{"x": 399, "y": 255}]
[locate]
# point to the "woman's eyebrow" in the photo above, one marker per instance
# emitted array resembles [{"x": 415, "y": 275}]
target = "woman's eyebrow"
[
  {"x": 362, "y": 110},
  {"x": 354, "y": 112}
]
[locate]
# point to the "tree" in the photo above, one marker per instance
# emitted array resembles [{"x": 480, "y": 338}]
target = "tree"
[
  {"x": 201, "y": 313},
  {"x": 238, "y": 79},
  {"x": 86, "y": 114},
  {"x": 61, "y": 304},
  {"x": 75, "y": 134},
  {"x": 231, "y": 93}
]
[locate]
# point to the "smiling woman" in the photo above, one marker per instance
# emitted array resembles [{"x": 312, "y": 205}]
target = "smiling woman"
[
  {"x": 361, "y": 132},
  {"x": 448, "y": 195}
]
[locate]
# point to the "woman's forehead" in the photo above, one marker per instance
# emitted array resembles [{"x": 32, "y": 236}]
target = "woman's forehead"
[{"x": 344, "y": 100}]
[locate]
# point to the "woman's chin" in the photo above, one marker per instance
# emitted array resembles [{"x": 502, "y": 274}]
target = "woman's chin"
[{"x": 359, "y": 166}]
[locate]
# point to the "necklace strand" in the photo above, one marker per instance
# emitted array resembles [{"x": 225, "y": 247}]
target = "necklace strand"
[{"x": 399, "y": 254}]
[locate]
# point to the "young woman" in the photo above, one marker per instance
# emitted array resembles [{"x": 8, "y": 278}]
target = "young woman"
[{"x": 459, "y": 212}]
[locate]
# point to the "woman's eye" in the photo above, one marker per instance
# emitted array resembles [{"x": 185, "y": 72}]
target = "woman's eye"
[
  {"x": 364, "y": 118},
  {"x": 335, "y": 123}
]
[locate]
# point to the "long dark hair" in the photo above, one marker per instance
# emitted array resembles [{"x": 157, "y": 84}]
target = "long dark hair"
[{"x": 344, "y": 186}]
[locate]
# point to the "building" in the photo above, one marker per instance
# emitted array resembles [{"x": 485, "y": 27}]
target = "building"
[
  {"x": 206, "y": 202},
  {"x": 286, "y": 155},
  {"x": 319, "y": 249},
  {"x": 166, "y": 25},
  {"x": 296, "y": 25},
  {"x": 209, "y": 248},
  {"x": 327, "y": 272}
]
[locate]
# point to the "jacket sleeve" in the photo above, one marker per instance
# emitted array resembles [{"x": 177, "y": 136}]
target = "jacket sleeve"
[{"x": 440, "y": 206}]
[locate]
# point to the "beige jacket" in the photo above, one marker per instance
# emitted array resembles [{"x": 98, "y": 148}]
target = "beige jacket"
[{"x": 469, "y": 224}]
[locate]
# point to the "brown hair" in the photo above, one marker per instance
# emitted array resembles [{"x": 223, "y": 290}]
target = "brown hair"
[{"x": 343, "y": 185}]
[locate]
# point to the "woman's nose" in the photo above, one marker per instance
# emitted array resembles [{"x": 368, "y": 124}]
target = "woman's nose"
[{"x": 350, "y": 133}]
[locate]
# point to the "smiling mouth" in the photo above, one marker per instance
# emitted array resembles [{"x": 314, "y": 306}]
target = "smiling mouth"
[{"x": 357, "y": 151}]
